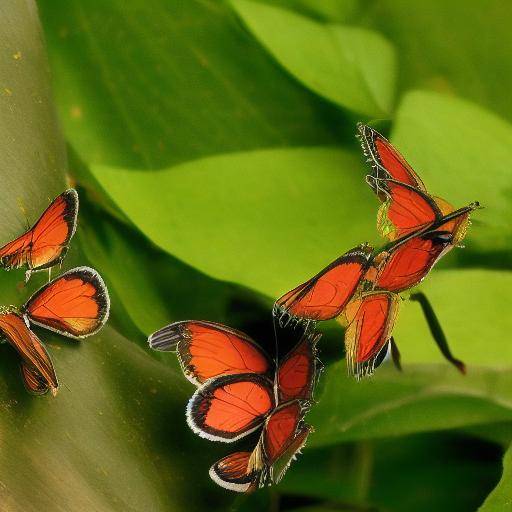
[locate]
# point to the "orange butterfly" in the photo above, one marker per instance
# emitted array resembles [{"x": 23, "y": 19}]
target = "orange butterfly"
[
  {"x": 46, "y": 243},
  {"x": 324, "y": 296},
  {"x": 239, "y": 391},
  {"x": 407, "y": 208},
  {"x": 76, "y": 305}
]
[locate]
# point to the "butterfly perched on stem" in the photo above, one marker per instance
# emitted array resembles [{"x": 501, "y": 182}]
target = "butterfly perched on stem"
[
  {"x": 75, "y": 305},
  {"x": 240, "y": 390},
  {"x": 46, "y": 243}
]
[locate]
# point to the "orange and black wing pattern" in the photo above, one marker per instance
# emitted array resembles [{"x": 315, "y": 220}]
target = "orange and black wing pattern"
[
  {"x": 408, "y": 264},
  {"x": 76, "y": 304},
  {"x": 207, "y": 349},
  {"x": 283, "y": 436},
  {"x": 370, "y": 320},
  {"x": 37, "y": 368},
  {"x": 46, "y": 243},
  {"x": 386, "y": 161},
  {"x": 405, "y": 210},
  {"x": 234, "y": 472},
  {"x": 325, "y": 295},
  {"x": 230, "y": 407},
  {"x": 297, "y": 372}
]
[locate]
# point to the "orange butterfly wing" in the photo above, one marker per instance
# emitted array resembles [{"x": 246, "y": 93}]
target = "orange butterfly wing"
[
  {"x": 38, "y": 372},
  {"x": 324, "y": 296},
  {"x": 233, "y": 472},
  {"x": 208, "y": 349},
  {"x": 76, "y": 304},
  {"x": 408, "y": 264},
  {"x": 297, "y": 371},
  {"x": 386, "y": 160},
  {"x": 46, "y": 243},
  {"x": 230, "y": 407},
  {"x": 370, "y": 323},
  {"x": 280, "y": 428},
  {"x": 405, "y": 211},
  {"x": 283, "y": 436}
]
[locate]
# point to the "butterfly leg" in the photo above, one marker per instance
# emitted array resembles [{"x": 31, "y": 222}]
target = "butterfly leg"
[
  {"x": 437, "y": 331},
  {"x": 28, "y": 273}
]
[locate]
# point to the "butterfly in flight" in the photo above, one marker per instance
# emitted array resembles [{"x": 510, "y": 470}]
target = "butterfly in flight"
[
  {"x": 407, "y": 208},
  {"x": 240, "y": 390},
  {"x": 45, "y": 244},
  {"x": 76, "y": 305},
  {"x": 325, "y": 295}
]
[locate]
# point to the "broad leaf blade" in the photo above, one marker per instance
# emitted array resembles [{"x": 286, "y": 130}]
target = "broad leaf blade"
[
  {"x": 354, "y": 68},
  {"x": 263, "y": 219},
  {"x": 463, "y": 154}
]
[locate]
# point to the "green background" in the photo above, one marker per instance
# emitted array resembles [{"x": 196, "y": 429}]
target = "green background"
[{"x": 212, "y": 144}]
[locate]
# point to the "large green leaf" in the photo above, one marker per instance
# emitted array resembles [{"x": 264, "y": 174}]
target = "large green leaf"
[
  {"x": 463, "y": 154},
  {"x": 426, "y": 398},
  {"x": 465, "y": 302},
  {"x": 352, "y": 67},
  {"x": 149, "y": 83},
  {"x": 501, "y": 498},
  {"x": 33, "y": 155},
  {"x": 264, "y": 219},
  {"x": 427, "y": 472},
  {"x": 457, "y": 46},
  {"x": 153, "y": 287}
]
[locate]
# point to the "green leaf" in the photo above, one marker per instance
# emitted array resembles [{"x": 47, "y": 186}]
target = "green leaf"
[
  {"x": 109, "y": 441},
  {"x": 153, "y": 287},
  {"x": 500, "y": 498},
  {"x": 149, "y": 83},
  {"x": 457, "y": 47},
  {"x": 466, "y": 304},
  {"x": 422, "y": 399},
  {"x": 463, "y": 153},
  {"x": 263, "y": 219},
  {"x": 328, "y": 10},
  {"x": 33, "y": 155},
  {"x": 353, "y": 67},
  {"x": 441, "y": 471}
]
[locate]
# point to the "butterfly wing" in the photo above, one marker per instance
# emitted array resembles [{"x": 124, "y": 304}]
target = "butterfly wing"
[
  {"x": 33, "y": 380},
  {"x": 207, "y": 349},
  {"x": 230, "y": 407},
  {"x": 405, "y": 210},
  {"x": 386, "y": 160},
  {"x": 325, "y": 295},
  {"x": 283, "y": 436},
  {"x": 370, "y": 322},
  {"x": 297, "y": 371},
  {"x": 46, "y": 243},
  {"x": 408, "y": 264},
  {"x": 38, "y": 372},
  {"x": 233, "y": 472},
  {"x": 76, "y": 304}
]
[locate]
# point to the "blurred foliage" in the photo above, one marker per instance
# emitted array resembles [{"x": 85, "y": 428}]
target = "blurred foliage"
[{"x": 213, "y": 146}]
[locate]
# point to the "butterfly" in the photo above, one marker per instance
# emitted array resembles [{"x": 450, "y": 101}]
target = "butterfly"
[
  {"x": 76, "y": 305},
  {"x": 46, "y": 243},
  {"x": 407, "y": 207},
  {"x": 325, "y": 295},
  {"x": 240, "y": 390}
]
